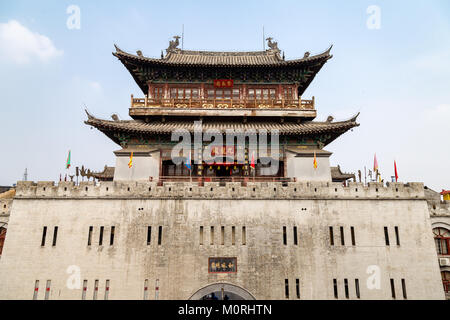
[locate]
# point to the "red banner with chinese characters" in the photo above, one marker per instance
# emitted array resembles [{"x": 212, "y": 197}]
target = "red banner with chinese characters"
[
  {"x": 223, "y": 83},
  {"x": 222, "y": 151}
]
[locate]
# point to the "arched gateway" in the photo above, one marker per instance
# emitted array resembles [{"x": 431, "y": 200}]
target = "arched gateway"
[{"x": 222, "y": 291}]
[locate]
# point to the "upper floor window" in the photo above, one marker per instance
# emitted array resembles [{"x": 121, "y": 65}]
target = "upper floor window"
[
  {"x": 442, "y": 240},
  {"x": 184, "y": 93},
  {"x": 220, "y": 93},
  {"x": 158, "y": 93},
  {"x": 261, "y": 94},
  {"x": 288, "y": 93}
]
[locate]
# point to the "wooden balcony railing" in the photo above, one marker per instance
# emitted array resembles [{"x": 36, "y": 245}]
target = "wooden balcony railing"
[{"x": 299, "y": 104}]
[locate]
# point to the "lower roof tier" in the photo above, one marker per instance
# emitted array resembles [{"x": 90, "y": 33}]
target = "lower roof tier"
[{"x": 328, "y": 130}]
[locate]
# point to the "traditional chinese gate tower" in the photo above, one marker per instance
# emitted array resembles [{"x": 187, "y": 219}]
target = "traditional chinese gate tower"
[
  {"x": 258, "y": 91},
  {"x": 235, "y": 233}
]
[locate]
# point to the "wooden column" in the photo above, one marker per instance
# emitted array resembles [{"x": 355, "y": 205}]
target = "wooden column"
[
  {"x": 202, "y": 91},
  {"x": 166, "y": 91},
  {"x": 150, "y": 90}
]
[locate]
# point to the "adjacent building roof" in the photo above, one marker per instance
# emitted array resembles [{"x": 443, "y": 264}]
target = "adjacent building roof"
[
  {"x": 307, "y": 128},
  {"x": 8, "y": 194},
  {"x": 106, "y": 175},
  {"x": 338, "y": 176}
]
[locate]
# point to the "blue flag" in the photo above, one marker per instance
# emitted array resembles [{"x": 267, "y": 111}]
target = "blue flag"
[{"x": 188, "y": 162}]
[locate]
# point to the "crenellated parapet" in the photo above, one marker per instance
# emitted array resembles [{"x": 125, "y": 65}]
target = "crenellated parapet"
[{"x": 216, "y": 190}]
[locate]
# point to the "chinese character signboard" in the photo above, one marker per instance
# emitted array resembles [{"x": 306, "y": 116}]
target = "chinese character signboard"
[
  {"x": 225, "y": 265},
  {"x": 223, "y": 83},
  {"x": 222, "y": 151}
]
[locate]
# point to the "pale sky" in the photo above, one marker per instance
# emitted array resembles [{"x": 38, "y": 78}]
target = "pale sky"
[{"x": 397, "y": 76}]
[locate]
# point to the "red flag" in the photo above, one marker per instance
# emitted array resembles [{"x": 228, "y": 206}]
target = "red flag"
[
  {"x": 375, "y": 163},
  {"x": 252, "y": 164},
  {"x": 395, "y": 170}
]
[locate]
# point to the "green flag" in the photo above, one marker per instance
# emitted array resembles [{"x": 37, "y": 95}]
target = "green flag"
[{"x": 68, "y": 161}]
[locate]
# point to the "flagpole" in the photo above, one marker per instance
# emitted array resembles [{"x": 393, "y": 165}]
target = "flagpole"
[{"x": 365, "y": 176}]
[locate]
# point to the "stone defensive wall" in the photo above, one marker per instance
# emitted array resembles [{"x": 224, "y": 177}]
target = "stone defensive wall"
[{"x": 214, "y": 190}]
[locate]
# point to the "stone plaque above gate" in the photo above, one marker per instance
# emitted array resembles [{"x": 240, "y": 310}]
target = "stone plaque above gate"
[{"x": 222, "y": 265}]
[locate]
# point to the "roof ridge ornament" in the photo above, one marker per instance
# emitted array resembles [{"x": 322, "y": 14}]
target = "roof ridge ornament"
[
  {"x": 329, "y": 49},
  {"x": 173, "y": 44},
  {"x": 90, "y": 116},
  {"x": 117, "y": 48},
  {"x": 272, "y": 45},
  {"x": 353, "y": 119}
]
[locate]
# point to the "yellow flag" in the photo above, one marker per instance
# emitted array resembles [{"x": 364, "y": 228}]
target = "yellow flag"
[
  {"x": 315, "y": 161},
  {"x": 130, "y": 163}
]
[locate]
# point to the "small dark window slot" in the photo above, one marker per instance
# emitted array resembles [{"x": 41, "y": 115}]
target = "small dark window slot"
[
  {"x": 55, "y": 236},
  {"x": 295, "y": 236},
  {"x": 352, "y": 231},
  {"x": 342, "y": 236},
  {"x": 386, "y": 235},
  {"x": 335, "y": 288},
  {"x": 111, "y": 238},
  {"x": 159, "y": 235},
  {"x": 44, "y": 234},
  {"x": 222, "y": 235},
  {"x": 404, "y": 289},
  {"x": 90, "y": 235},
  {"x": 392, "y": 288},
  {"x": 346, "y": 288},
  {"x": 149, "y": 235},
  {"x": 397, "y": 235},
  {"x": 286, "y": 288},
  {"x": 233, "y": 235},
  {"x": 358, "y": 294},
  {"x": 100, "y": 238}
]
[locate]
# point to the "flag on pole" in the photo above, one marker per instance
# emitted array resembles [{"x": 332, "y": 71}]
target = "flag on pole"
[
  {"x": 375, "y": 163},
  {"x": 252, "y": 164},
  {"x": 315, "y": 161},
  {"x": 395, "y": 171},
  {"x": 130, "y": 163},
  {"x": 188, "y": 161},
  {"x": 68, "y": 161}
]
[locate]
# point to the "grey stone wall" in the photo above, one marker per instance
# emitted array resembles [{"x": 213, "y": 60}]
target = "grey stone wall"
[{"x": 180, "y": 262}]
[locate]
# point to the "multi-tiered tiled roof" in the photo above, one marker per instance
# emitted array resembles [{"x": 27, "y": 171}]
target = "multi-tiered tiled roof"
[
  {"x": 331, "y": 130},
  {"x": 267, "y": 66}
]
